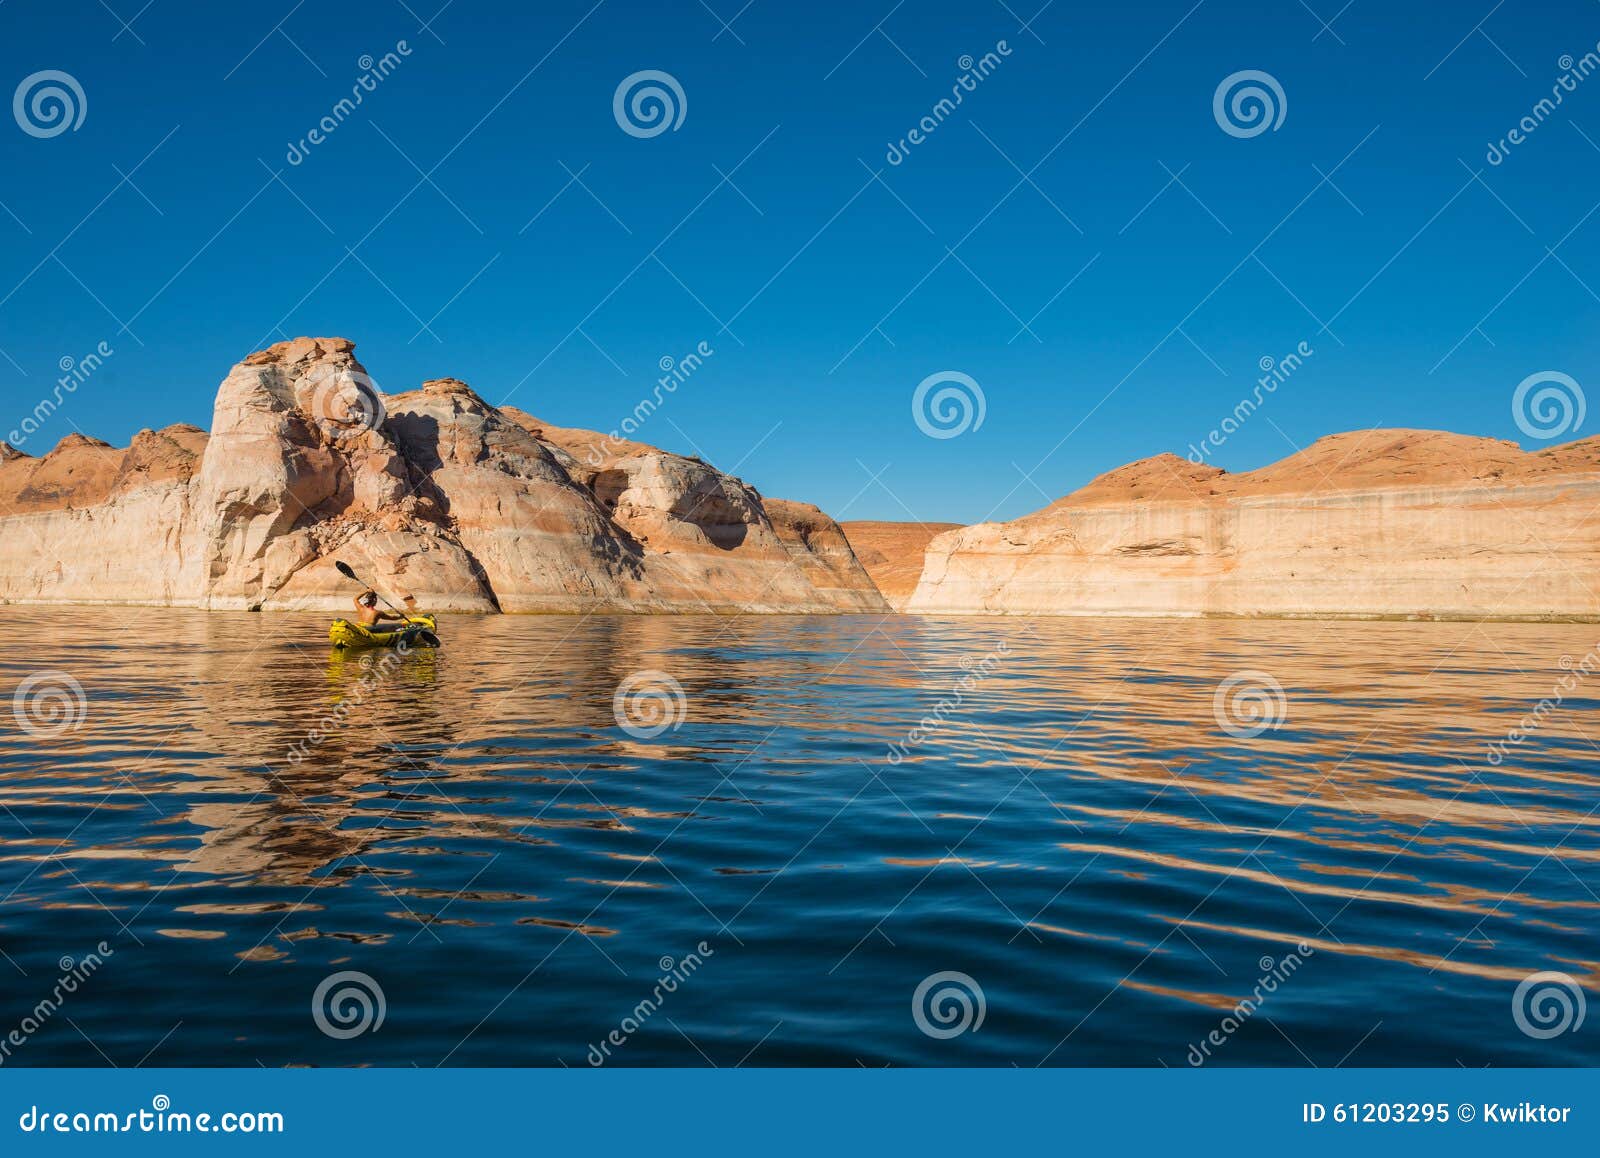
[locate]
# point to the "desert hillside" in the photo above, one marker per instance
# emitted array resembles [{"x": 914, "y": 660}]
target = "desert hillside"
[{"x": 1378, "y": 523}]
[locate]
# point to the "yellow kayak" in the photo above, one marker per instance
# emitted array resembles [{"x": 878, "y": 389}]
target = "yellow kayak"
[{"x": 343, "y": 633}]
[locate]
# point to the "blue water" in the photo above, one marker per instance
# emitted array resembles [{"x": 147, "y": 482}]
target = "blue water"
[{"x": 1069, "y": 828}]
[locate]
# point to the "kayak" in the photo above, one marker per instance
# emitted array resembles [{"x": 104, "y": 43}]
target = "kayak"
[{"x": 343, "y": 633}]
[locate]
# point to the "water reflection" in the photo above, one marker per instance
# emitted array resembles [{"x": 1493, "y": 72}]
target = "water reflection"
[{"x": 1069, "y": 825}]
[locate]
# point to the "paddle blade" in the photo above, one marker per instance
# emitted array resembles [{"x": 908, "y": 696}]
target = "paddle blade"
[{"x": 344, "y": 569}]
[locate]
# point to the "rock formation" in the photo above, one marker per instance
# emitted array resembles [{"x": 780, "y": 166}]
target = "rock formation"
[
  {"x": 433, "y": 492},
  {"x": 892, "y": 553},
  {"x": 1369, "y": 523},
  {"x": 477, "y": 508}
]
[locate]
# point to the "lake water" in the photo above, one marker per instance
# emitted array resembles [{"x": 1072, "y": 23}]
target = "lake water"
[{"x": 1069, "y": 855}]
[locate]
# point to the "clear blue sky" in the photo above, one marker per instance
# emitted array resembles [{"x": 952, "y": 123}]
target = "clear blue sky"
[{"x": 820, "y": 289}]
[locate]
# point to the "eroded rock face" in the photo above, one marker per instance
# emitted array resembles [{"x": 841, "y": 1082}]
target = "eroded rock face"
[
  {"x": 892, "y": 553},
  {"x": 698, "y": 531},
  {"x": 300, "y": 469},
  {"x": 1369, "y": 523},
  {"x": 432, "y": 492},
  {"x": 539, "y": 537},
  {"x": 89, "y": 523}
]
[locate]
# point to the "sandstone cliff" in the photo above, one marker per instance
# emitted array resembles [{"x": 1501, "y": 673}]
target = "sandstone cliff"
[
  {"x": 1370, "y": 523},
  {"x": 433, "y": 492},
  {"x": 892, "y": 553}
]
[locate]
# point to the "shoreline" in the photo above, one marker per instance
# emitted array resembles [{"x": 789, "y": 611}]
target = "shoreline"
[{"x": 732, "y": 613}]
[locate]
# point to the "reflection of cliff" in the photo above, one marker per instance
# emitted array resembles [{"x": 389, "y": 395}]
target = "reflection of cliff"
[
  {"x": 432, "y": 741},
  {"x": 1087, "y": 743},
  {"x": 1372, "y": 523},
  {"x": 432, "y": 491},
  {"x": 264, "y": 815}
]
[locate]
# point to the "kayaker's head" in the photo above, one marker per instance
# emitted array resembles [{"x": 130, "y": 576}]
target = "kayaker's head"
[{"x": 368, "y": 599}]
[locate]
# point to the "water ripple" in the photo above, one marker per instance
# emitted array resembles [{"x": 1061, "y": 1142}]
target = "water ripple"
[{"x": 1049, "y": 816}]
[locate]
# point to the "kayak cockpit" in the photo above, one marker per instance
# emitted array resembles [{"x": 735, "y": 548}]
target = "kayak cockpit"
[{"x": 416, "y": 632}]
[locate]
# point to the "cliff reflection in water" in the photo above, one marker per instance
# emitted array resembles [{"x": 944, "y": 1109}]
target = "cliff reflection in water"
[{"x": 1077, "y": 822}]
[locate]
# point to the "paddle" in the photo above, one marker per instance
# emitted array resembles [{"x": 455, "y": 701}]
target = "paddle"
[{"x": 425, "y": 635}]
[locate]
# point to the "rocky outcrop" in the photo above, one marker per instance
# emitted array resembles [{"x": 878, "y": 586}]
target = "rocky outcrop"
[
  {"x": 89, "y": 523},
  {"x": 1398, "y": 523},
  {"x": 892, "y": 553},
  {"x": 695, "y": 526},
  {"x": 433, "y": 492},
  {"x": 821, "y": 552}
]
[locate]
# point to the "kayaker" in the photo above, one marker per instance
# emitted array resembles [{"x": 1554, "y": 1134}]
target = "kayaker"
[{"x": 367, "y": 613}]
